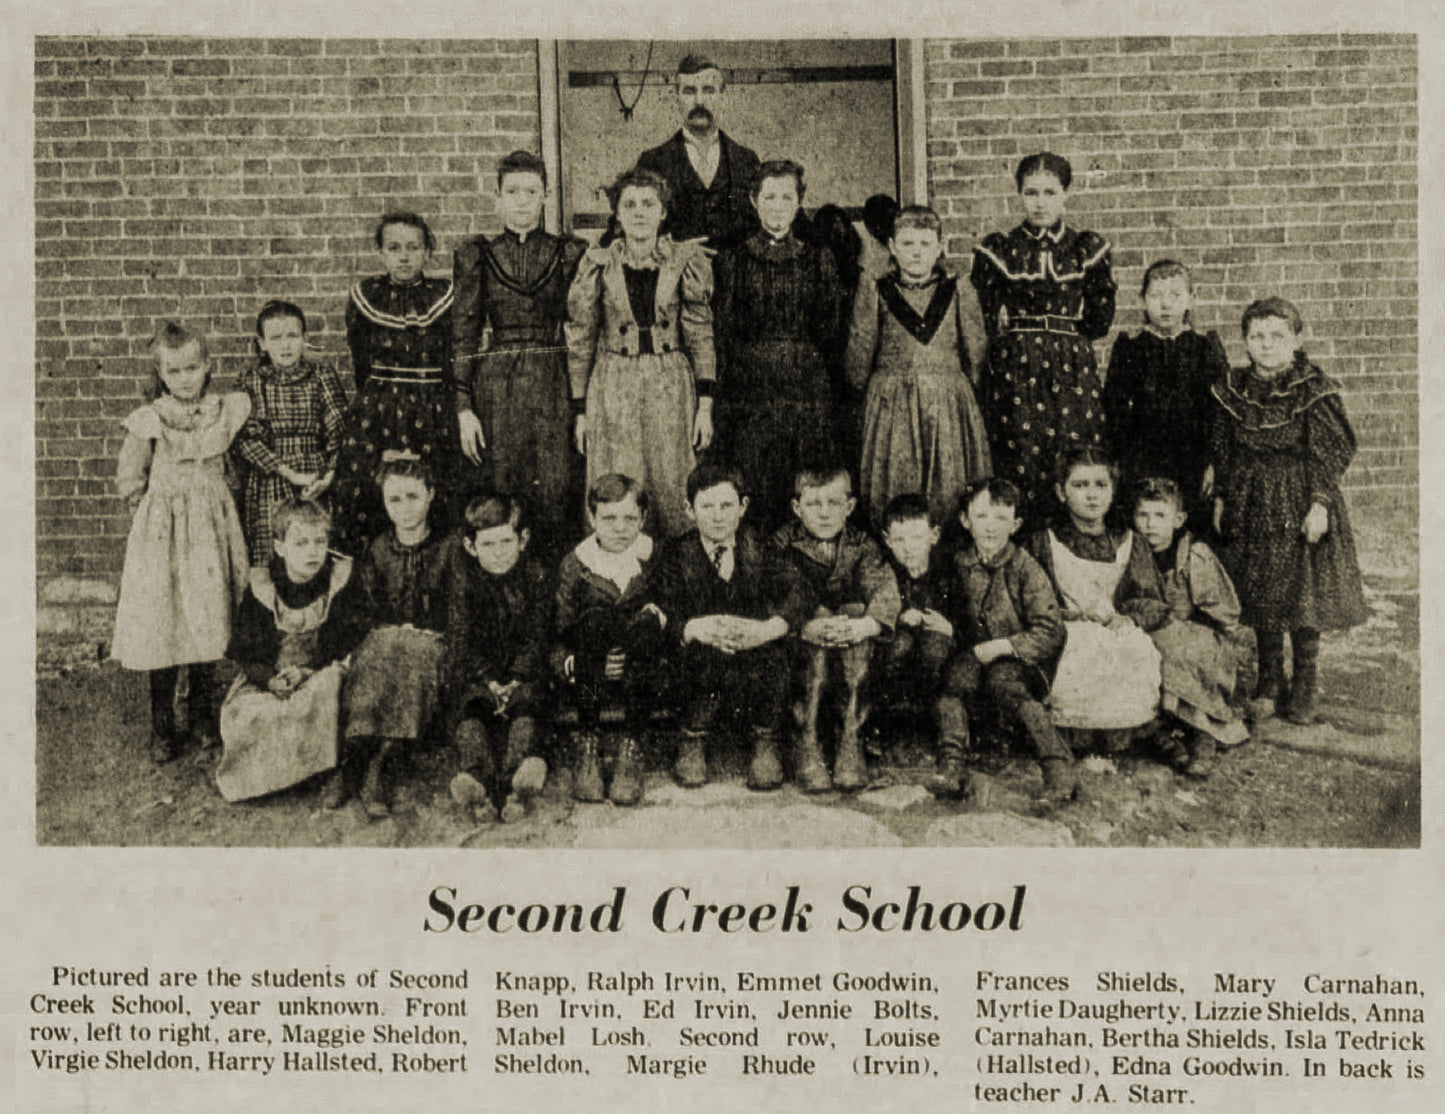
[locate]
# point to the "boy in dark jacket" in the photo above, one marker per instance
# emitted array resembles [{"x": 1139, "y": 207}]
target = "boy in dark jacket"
[
  {"x": 1009, "y": 632},
  {"x": 854, "y": 601},
  {"x": 727, "y": 599},
  {"x": 499, "y": 617},
  {"x": 909, "y": 668},
  {"x": 607, "y": 633}
]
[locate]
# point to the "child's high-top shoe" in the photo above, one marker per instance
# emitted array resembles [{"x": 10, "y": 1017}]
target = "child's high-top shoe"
[
  {"x": 949, "y": 781},
  {"x": 1306, "y": 676},
  {"x": 587, "y": 773},
  {"x": 373, "y": 785},
  {"x": 690, "y": 769},
  {"x": 765, "y": 771},
  {"x": 626, "y": 787},
  {"x": 1271, "y": 690}
]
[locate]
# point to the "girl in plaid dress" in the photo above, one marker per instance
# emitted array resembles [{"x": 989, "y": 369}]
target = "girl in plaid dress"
[{"x": 291, "y": 439}]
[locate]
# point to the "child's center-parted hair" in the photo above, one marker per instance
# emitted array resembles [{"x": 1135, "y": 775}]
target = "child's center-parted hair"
[
  {"x": 1084, "y": 456},
  {"x": 413, "y": 220},
  {"x": 395, "y": 462}
]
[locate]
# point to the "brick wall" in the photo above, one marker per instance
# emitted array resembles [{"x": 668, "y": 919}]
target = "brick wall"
[
  {"x": 1282, "y": 165},
  {"x": 198, "y": 178}
]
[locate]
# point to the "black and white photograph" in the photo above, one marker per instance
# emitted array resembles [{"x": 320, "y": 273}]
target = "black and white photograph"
[
  {"x": 652, "y": 556},
  {"x": 999, "y": 441}
]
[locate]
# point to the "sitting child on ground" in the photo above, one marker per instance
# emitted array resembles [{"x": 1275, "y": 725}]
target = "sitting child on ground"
[
  {"x": 728, "y": 600},
  {"x": 499, "y": 618},
  {"x": 1204, "y": 648},
  {"x": 607, "y": 633},
  {"x": 1109, "y": 590},
  {"x": 854, "y": 601},
  {"x": 1009, "y": 632},
  {"x": 394, "y": 686},
  {"x": 909, "y": 667},
  {"x": 301, "y": 616}
]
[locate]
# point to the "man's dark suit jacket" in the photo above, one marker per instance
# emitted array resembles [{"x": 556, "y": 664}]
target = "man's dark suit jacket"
[{"x": 723, "y": 212}]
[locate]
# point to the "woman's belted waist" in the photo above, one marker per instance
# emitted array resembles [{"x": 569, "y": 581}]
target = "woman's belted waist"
[
  {"x": 387, "y": 373},
  {"x": 523, "y": 334},
  {"x": 1044, "y": 323}
]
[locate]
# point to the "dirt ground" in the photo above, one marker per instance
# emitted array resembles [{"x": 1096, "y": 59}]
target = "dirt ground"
[{"x": 1353, "y": 780}]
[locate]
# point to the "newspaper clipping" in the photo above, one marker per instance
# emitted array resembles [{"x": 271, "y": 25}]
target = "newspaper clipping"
[{"x": 661, "y": 558}]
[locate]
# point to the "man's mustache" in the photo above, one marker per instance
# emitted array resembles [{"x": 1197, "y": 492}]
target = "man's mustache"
[{"x": 700, "y": 115}]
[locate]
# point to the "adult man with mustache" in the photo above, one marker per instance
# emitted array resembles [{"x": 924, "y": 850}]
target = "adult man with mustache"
[{"x": 709, "y": 173}]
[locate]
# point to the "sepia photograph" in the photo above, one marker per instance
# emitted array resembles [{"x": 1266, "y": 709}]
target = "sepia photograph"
[{"x": 736, "y": 443}]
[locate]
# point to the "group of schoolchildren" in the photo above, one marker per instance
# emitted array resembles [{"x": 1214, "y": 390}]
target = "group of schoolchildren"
[{"x": 403, "y": 567}]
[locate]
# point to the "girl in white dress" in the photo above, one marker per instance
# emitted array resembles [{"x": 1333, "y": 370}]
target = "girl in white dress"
[{"x": 185, "y": 559}]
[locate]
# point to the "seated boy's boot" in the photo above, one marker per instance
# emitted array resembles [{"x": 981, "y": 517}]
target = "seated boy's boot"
[
  {"x": 1268, "y": 695},
  {"x": 1203, "y": 751},
  {"x": 1061, "y": 779},
  {"x": 1306, "y": 677},
  {"x": 690, "y": 769},
  {"x": 809, "y": 769},
  {"x": 587, "y": 774},
  {"x": 469, "y": 788},
  {"x": 765, "y": 771},
  {"x": 626, "y": 787},
  {"x": 950, "y": 780},
  {"x": 527, "y": 782},
  {"x": 471, "y": 796},
  {"x": 522, "y": 735},
  {"x": 850, "y": 768},
  {"x": 373, "y": 787}
]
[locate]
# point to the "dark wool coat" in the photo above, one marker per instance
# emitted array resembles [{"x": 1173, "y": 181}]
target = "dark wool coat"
[
  {"x": 855, "y": 572},
  {"x": 684, "y": 584},
  {"x": 1009, "y": 596},
  {"x": 723, "y": 212}
]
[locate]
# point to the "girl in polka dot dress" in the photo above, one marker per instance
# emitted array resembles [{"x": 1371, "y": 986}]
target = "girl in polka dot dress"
[
  {"x": 1047, "y": 293},
  {"x": 399, "y": 329}
]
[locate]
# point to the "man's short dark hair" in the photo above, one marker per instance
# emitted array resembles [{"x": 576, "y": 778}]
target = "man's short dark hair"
[{"x": 696, "y": 63}]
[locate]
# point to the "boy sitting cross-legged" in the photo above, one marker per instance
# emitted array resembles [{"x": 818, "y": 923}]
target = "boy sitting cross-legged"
[
  {"x": 853, "y": 599},
  {"x": 498, "y": 621},
  {"x": 728, "y": 599}
]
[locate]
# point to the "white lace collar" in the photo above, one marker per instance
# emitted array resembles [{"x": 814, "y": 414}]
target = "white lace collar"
[{"x": 620, "y": 568}]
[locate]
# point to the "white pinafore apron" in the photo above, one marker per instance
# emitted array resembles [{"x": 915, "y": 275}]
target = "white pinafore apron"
[
  {"x": 270, "y": 742},
  {"x": 1107, "y": 679}
]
